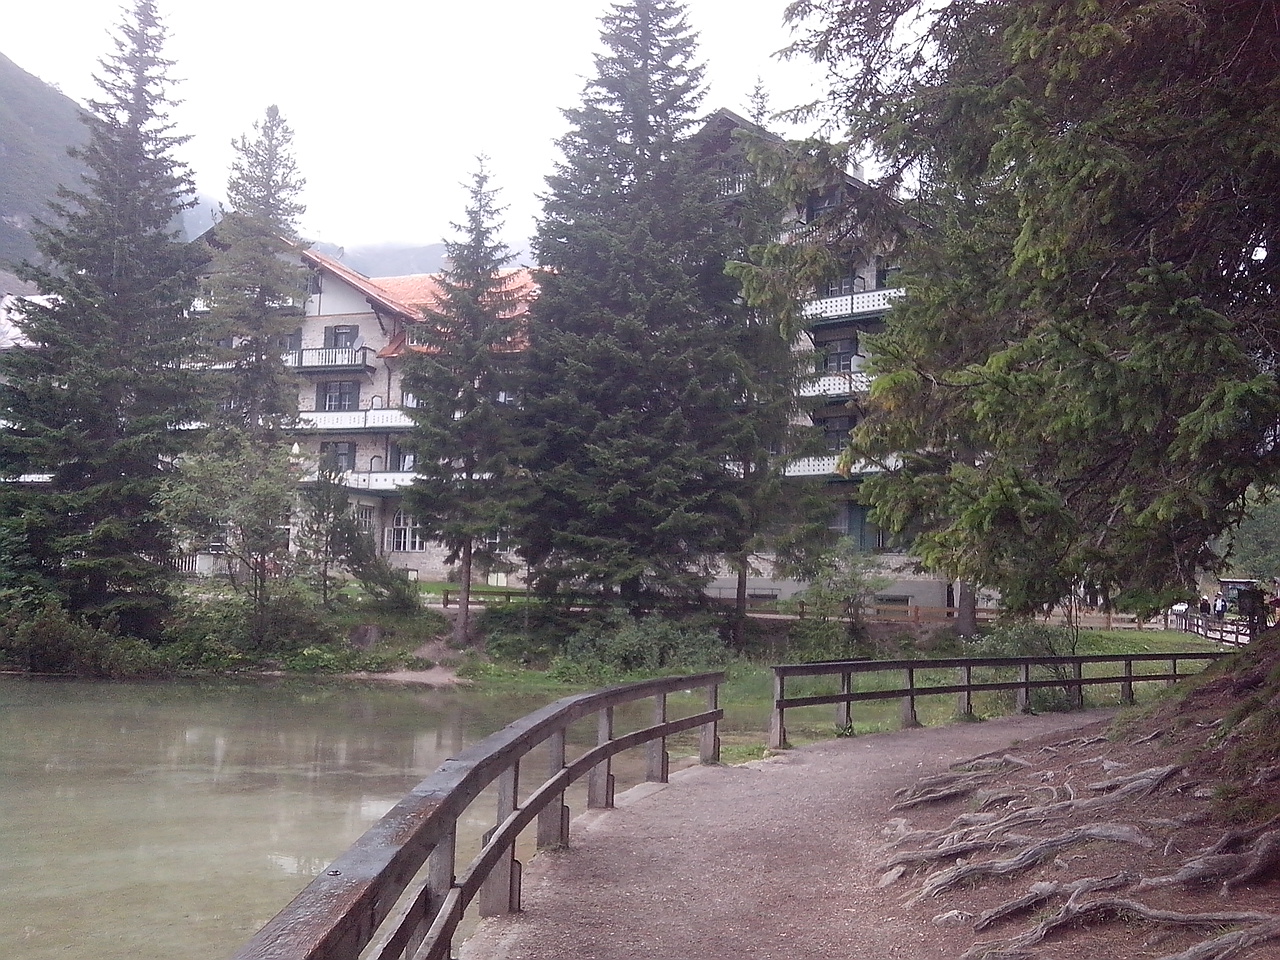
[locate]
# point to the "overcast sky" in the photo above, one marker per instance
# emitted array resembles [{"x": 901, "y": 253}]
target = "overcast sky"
[{"x": 391, "y": 101}]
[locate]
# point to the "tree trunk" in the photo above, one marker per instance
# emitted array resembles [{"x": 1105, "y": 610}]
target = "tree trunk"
[
  {"x": 740, "y": 607},
  {"x": 464, "y": 597},
  {"x": 966, "y": 609}
]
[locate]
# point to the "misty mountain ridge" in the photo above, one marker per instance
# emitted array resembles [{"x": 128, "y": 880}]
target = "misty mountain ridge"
[{"x": 38, "y": 124}]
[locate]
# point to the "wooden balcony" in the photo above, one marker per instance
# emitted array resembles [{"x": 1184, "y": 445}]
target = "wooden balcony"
[
  {"x": 380, "y": 419},
  {"x": 330, "y": 359}
]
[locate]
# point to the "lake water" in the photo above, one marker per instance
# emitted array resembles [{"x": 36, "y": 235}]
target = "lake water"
[{"x": 172, "y": 820}]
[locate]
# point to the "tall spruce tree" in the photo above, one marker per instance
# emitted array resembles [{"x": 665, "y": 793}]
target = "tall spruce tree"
[
  {"x": 467, "y": 484},
  {"x": 237, "y": 486},
  {"x": 633, "y": 375},
  {"x": 255, "y": 287},
  {"x": 98, "y": 403}
]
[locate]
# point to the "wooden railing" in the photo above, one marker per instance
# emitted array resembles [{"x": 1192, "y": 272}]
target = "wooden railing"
[
  {"x": 396, "y": 892},
  {"x": 1211, "y": 628},
  {"x": 1070, "y": 677}
]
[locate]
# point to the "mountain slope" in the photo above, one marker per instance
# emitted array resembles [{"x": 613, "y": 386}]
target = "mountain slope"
[{"x": 37, "y": 124}]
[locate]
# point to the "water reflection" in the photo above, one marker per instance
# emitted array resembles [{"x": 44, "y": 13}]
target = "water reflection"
[{"x": 171, "y": 821}]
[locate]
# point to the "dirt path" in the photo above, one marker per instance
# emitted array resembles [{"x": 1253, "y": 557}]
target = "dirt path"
[{"x": 773, "y": 859}]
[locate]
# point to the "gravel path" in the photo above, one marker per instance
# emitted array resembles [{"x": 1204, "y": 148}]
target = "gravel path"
[{"x": 773, "y": 859}]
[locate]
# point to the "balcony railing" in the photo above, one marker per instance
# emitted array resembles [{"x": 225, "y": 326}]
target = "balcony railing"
[
  {"x": 381, "y": 419},
  {"x": 330, "y": 358},
  {"x": 836, "y": 384},
  {"x": 852, "y": 304},
  {"x": 825, "y": 466},
  {"x": 378, "y": 480}
]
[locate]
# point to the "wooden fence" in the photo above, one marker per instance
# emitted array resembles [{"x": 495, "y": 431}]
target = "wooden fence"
[
  {"x": 396, "y": 892},
  {"x": 1235, "y": 632},
  {"x": 1069, "y": 676}
]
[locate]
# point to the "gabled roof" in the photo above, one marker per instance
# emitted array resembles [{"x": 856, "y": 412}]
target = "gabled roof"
[
  {"x": 380, "y": 299},
  {"x": 422, "y": 290},
  {"x": 422, "y": 293}
]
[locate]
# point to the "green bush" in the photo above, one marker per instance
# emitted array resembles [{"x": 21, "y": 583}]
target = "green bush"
[
  {"x": 49, "y": 640},
  {"x": 530, "y": 633},
  {"x": 812, "y": 641},
  {"x": 619, "y": 645}
]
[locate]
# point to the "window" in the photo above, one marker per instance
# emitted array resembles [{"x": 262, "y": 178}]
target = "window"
[
  {"x": 341, "y": 337},
  {"x": 363, "y": 514},
  {"x": 341, "y": 455},
  {"x": 292, "y": 342},
  {"x": 851, "y": 520},
  {"x": 401, "y": 459},
  {"x": 338, "y": 395},
  {"x": 405, "y": 535},
  {"x": 843, "y": 286},
  {"x": 408, "y": 400},
  {"x": 838, "y": 355},
  {"x": 820, "y": 206},
  {"x": 885, "y": 272},
  {"x": 835, "y": 430}
]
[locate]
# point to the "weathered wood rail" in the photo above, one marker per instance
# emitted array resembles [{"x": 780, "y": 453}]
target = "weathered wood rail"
[
  {"x": 397, "y": 893},
  {"x": 1211, "y": 628},
  {"x": 1069, "y": 675}
]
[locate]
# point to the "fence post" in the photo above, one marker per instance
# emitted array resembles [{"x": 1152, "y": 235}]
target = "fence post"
[
  {"x": 600, "y": 779},
  {"x": 909, "y": 718},
  {"x": 777, "y": 725},
  {"x": 553, "y": 821},
  {"x": 440, "y": 878},
  {"x": 1024, "y": 691},
  {"x": 709, "y": 737},
  {"x": 500, "y": 892},
  {"x": 658, "y": 761},
  {"x": 1173, "y": 669},
  {"x": 964, "y": 703},
  {"x": 1126, "y": 687},
  {"x": 844, "y": 709},
  {"x": 1077, "y": 689}
]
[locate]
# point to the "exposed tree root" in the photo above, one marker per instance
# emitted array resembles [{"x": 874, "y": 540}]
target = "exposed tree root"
[
  {"x": 1036, "y": 853},
  {"x": 1230, "y": 944},
  {"x": 1076, "y": 911},
  {"x": 1039, "y": 893},
  {"x": 1005, "y": 810},
  {"x": 1260, "y": 858},
  {"x": 943, "y": 787}
]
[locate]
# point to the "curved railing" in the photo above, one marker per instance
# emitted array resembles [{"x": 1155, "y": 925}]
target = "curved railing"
[{"x": 396, "y": 891}]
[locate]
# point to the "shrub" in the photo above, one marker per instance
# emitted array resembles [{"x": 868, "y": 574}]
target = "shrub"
[
  {"x": 50, "y": 640},
  {"x": 620, "y": 645}
]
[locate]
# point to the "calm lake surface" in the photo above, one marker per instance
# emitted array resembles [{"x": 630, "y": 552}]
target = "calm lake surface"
[{"x": 172, "y": 820}]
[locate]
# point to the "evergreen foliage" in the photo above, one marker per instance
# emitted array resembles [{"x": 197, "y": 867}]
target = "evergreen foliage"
[
  {"x": 1080, "y": 387},
  {"x": 633, "y": 367},
  {"x": 463, "y": 380},
  {"x": 256, "y": 289},
  {"x": 99, "y": 403}
]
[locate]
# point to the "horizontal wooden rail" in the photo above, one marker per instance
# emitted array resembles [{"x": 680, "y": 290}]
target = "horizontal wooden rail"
[
  {"x": 397, "y": 892},
  {"x": 1070, "y": 677},
  {"x": 1234, "y": 632}
]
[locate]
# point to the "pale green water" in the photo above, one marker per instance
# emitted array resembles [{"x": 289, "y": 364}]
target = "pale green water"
[{"x": 172, "y": 820}]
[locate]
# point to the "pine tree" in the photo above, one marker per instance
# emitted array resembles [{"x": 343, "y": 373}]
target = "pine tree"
[
  {"x": 256, "y": 288},
  {"x": 1079, "y": 389},
  {"x": 633, "y": 374},
  {"x": 99, "y": 403},
  {"x": 236, "y": 486},
  {"x": 463, "y": 380}
]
